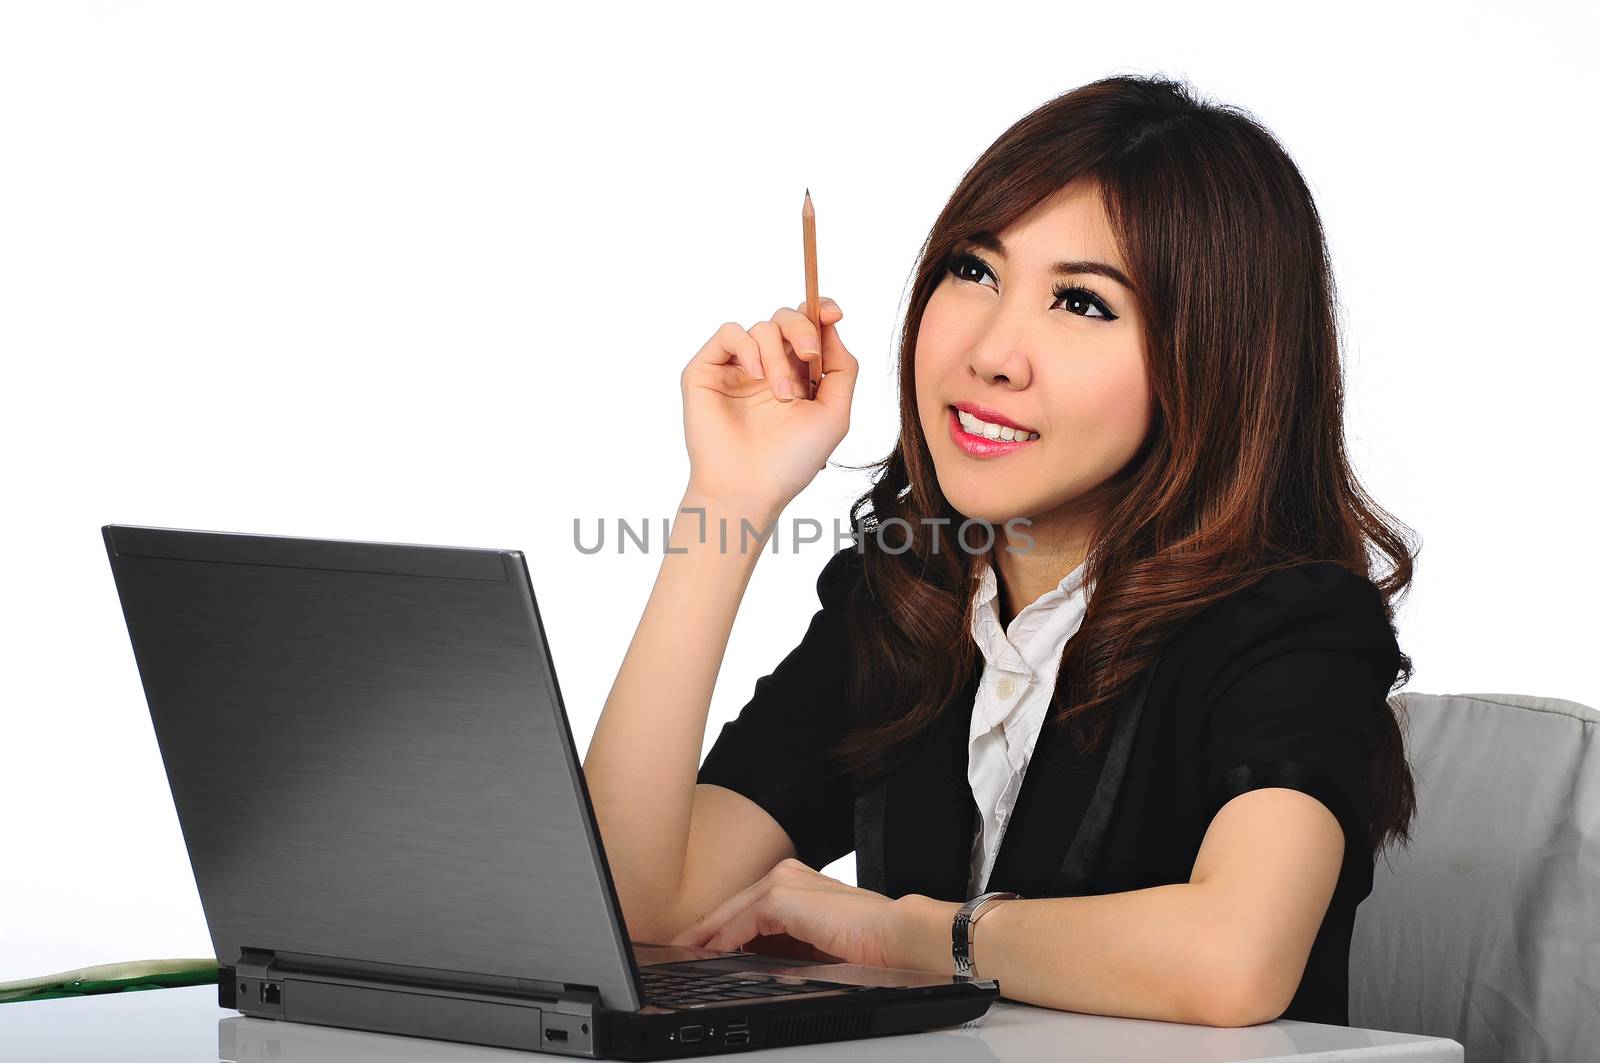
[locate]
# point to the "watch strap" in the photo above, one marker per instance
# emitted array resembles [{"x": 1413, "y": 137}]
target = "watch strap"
[{"x": 961, "y": 927}]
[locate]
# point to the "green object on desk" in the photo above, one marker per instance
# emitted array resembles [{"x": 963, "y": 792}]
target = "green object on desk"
[{"x": 112, "y": 978}]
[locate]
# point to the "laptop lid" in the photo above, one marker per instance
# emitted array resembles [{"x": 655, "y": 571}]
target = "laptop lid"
[{"x": 370, "y": 759}]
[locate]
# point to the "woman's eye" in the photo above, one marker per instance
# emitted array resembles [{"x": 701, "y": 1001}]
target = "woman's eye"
[
  {"x": 1080, "y": 301},
  {"x": 958, "y": 263}
]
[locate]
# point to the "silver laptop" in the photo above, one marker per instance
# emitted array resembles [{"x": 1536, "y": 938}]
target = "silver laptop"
[{"x": 388, "y": 822}]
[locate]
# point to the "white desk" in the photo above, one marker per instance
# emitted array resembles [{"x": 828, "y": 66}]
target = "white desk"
[{"x": 186, "y": 1026}]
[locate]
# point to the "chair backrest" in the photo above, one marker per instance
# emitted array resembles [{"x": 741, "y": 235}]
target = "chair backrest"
[{"x": 1486, "y": 928}]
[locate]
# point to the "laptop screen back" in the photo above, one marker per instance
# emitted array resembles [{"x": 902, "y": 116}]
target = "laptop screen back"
[{"x": 369, "y": 757}]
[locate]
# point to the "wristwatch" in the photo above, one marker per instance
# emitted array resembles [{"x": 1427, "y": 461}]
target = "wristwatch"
[{"x": 961, "y": 929}]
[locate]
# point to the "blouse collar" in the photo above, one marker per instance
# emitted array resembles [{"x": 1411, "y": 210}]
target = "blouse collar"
[{"x": 1036, "y": 635}]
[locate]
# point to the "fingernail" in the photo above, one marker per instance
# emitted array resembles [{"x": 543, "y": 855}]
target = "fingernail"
[
  {"x": 808, "y": 349},
  {"x": 757, "y": 371},
  {"x": 785, "y": 389}
]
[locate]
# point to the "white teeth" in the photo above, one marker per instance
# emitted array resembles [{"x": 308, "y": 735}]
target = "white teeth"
[{"x": 992, "y": 431}]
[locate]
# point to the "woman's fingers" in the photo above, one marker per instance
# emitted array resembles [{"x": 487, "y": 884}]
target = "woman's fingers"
[
  {"x": 781, "y": 351},
  {"x": 790, "y": 873},
  {"x": 830, "y": 309},
  {"x": 764, "y": 915},
  {"x": 829, "y": 314},
  {"x": 804, "y": 342},
  {"x": 730, "y": 344},
  {"x": 804, "y": 338},
  {"x": 839, "y": 369},
  {"x": 793, "y": 909},
  {"x": 774, "y": 359},
  {"x": 708, "y": 924}
]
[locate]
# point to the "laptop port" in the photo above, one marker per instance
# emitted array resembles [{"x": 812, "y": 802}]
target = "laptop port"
[
  {"x": 690, "y": 1034},
  {"x": 738, "y": 1024},
  {"x": 269, "y": 993},
  {"x": 737, "y": 1037},
  {"x": 555, "y": 1035}
]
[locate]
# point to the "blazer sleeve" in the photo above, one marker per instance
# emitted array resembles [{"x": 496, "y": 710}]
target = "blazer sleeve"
[
  {"x": 1305, "y": 669},
  {"x": 774, "y": 751}
]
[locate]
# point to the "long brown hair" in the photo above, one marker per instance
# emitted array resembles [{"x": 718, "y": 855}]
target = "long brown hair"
[{"x": 1243, "y": 470}]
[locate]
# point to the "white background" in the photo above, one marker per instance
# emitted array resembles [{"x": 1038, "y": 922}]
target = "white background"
[{"x": 429, "y": 272}]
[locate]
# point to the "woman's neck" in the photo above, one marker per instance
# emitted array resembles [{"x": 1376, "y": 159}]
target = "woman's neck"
[{"x": 1024, "y": 577}]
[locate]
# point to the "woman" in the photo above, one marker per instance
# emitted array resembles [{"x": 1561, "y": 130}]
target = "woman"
[{"x": 1122, "y": 331}]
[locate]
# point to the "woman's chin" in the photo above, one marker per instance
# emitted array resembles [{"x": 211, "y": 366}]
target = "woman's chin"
[{"x": 982, "y": 502}]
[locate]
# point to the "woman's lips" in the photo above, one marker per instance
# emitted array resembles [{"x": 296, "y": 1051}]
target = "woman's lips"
[
  {"x": 983, "y": 413},
  {"x": 981, "y": 446}
]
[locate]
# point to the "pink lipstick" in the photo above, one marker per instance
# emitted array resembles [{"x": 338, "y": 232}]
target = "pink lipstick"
[{"x": 979, "y": 446}]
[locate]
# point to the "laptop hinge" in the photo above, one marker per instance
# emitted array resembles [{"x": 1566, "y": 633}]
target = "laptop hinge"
[{"x": 563, "y": 1022}]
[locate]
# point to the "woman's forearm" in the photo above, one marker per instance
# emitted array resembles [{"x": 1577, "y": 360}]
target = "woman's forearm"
[
  {"x": 1156, "y": 953},
  {"x": 642, "y": 761}
]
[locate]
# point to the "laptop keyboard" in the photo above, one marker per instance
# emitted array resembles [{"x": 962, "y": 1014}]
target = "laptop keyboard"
[{"x": 671, "y": 989}]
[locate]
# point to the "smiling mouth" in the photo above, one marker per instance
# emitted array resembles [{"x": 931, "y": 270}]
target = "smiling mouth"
[{"x": 989, "y": 430}]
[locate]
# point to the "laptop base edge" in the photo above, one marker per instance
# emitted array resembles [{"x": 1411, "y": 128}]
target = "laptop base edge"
[
  {"x": 564, "y": 1024},
  {"x": 574, "y": 1023}
]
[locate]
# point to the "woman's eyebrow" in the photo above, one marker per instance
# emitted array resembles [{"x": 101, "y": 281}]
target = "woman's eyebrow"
[{"x": 990, "y": 242}]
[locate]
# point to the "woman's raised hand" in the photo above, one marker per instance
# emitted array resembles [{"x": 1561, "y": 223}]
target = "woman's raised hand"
[{"x": 753, "y": 435}]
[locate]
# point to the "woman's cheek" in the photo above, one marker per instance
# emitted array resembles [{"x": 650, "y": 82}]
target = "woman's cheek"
[{"x": 1116, "y": 407}]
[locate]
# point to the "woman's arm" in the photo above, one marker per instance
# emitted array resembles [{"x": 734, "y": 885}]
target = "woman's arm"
[
  {"x": 1311, "y": 655},
  {"x": 643, "y": 757},
  {"x": 1227, "y": 948},
  {"x": 675, "y": 848}
]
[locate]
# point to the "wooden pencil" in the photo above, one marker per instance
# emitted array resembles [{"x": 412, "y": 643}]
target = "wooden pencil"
[{"x": 808, "y": 229}]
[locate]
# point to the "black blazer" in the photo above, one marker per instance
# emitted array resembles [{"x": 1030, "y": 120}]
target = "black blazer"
[{"x": 1278, "y": 685}]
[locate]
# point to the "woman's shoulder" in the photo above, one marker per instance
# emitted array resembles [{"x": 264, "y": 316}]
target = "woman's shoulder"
[
  {"x": 1310, "y": 589},
  {"x": 1312, "y": 607}
]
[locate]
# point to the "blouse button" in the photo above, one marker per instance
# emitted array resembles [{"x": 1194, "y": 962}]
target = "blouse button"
[{"x": 1006, "y": 687}]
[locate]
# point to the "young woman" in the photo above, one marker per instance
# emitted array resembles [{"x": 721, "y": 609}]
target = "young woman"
[{"x": 1123, "y": 330}]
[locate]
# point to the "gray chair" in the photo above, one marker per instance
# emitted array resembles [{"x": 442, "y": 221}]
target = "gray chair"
[{"x": 1486, "y": 928}]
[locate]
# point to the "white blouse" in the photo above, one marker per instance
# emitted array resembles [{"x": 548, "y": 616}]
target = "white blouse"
[{"x": 1019, "y": 675}]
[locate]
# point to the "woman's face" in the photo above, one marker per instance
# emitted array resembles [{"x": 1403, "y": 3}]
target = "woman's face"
[{"x": 1070, "y": 368}]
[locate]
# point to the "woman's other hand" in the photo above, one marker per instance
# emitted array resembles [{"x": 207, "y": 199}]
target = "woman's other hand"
[
  {"x": 751, "y": 431},
  {"x": 796, "y": 912}
]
